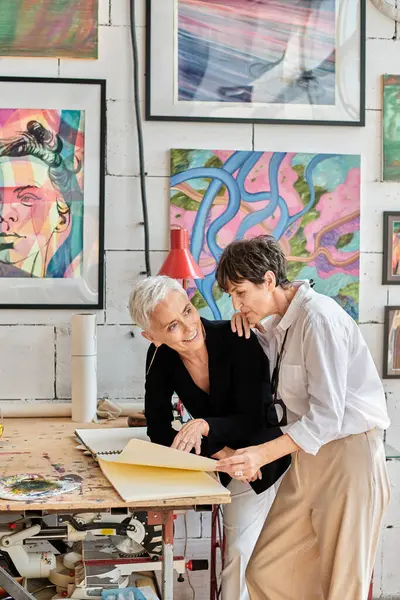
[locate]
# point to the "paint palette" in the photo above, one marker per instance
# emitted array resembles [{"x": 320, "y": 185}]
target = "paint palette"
[{"x": 33, "y": 487}]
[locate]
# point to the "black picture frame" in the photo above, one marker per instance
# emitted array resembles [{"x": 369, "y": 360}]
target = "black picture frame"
[
  {"x": 389, "y": 219},
  {"x": 88, "y": 98},
  {"x": 388, "y": 370},
  {"x": 159, "y": 50}
]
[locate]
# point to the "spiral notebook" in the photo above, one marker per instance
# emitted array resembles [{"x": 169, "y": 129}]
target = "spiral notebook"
[
  {"x": 109, "y": 442},
  {"x": 140, "y": 470}
]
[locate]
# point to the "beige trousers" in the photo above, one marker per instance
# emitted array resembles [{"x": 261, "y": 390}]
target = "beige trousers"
[{"x": 320, "y": 536}]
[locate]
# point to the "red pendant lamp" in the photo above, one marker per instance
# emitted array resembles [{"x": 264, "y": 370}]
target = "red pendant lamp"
[{"x": 180, "y": 263}]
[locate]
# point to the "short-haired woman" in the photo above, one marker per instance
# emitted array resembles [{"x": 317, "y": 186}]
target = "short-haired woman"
[
  {"x": 223, "y": 382},
  {"x": 320, "y": 537}
]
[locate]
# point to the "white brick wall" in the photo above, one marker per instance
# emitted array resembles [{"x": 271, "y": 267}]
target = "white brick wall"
[{"x": 37, "y": 343}]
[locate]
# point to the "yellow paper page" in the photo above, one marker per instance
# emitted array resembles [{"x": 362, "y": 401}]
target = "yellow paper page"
[
  {"x": 135, "y": 483},
  {"x": 140, "y": 452}
]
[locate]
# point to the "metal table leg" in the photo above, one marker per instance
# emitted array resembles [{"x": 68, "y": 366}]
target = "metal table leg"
[
  {"x": 371, "y": 588},
  {"x": 218, "y": 542},
  {"x": 168, "y": 555},
  {"x": 13, "y": 588}
]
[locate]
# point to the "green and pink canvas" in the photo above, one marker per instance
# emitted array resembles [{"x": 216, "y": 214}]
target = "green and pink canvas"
[
  {"x": 309, "y": 202},
  {"x": 49, "y": 28}
]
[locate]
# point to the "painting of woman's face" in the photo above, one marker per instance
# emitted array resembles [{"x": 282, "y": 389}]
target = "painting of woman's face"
[{"x": 30, "y": 223}]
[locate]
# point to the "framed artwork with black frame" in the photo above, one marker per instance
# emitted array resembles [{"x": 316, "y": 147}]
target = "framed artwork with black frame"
[
  {"x": 391, "y": 343},
  {"x": 52, "y": 169},
  {"x": 391, "y": 248},
  {"x": 270, "y": 61}
]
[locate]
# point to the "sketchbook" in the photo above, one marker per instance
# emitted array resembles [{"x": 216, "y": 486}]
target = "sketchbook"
[{"x": 140, "y": 470}]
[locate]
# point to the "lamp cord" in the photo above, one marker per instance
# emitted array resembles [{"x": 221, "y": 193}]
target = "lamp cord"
[{"x": 139, "y": 130}]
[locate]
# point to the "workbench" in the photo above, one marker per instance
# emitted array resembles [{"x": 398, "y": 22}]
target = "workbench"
[{"x": 47, "y": 447}]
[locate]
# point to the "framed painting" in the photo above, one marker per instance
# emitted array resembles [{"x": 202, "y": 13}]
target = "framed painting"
[
  {"x": 391, "y": 346},
  {"x": 52, "y": 140},
  {"x": 309, "y": 202},
  {"x": 391, "y": 248},
  {"x": 391, "y": 128},
  {"x": 45, "y": 28},
  {"x": 260, "y": 61}
]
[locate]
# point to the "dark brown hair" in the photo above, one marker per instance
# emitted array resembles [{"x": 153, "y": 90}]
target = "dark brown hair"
[{"x": 251, "y": 259}]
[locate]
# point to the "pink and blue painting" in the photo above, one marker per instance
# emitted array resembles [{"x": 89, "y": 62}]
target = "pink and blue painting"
[
  {"x": 257, "y": 51},
  {"x": 309, "y": 202}
]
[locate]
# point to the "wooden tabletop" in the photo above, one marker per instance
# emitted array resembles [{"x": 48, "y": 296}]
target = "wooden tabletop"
[{"x": 47, "y": 447}]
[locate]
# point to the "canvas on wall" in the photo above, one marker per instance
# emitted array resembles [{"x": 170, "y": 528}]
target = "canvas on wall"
[
  {"x": 41, "y": 193},
  {"x": 61, "y": 28},
  {"x": 309, "y": 202},
  {"x": 391, "y": 353},
  {"x": 391, "y": 128},
  {"x": 266, "y": 60},
  {"x": 391, "y": 248},
  {"x": 238, "y": 51},
  {"x": 51, "y": 192}
]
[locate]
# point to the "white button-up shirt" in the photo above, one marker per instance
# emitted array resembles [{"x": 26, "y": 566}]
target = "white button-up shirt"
[{"x": 327, "y": 380}]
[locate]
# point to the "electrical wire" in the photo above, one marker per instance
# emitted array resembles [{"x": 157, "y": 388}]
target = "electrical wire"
[
  {"x": 184, "y": 556},
  {"x": 142, "y": 172}
]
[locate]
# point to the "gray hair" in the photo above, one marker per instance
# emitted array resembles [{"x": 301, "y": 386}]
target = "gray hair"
[{"x": 147, "y": 294}]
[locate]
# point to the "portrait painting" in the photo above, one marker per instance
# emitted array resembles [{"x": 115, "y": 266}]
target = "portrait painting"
[
  {"x": 41, "y": 193},
  {"x": 49, "y": 28},
  {"x": 51, "y": 193},
  {"x": 309, "y": 202},
  {"x": 260, "y": 60},
  {"x": 391, "y": 248},
  {"x": 391, "y": 354}
]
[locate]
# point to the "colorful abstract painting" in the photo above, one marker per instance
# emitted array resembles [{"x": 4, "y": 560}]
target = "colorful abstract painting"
[
  {"x": 53, "y": 28},
  {"x": 268, "y": 51},
  {"x": 309, "y": 202},
  {"x": 41, "y": 193},
  {"x": 391, "y": 128}
]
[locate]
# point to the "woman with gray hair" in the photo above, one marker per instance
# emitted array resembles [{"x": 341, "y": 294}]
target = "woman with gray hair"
[{"x": 223, "y": 382}]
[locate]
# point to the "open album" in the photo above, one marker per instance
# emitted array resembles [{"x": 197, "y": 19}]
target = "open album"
[{"x": 141, "y": 470}]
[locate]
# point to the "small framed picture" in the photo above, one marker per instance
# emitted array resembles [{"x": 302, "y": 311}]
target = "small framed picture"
[
  {"x": 391, "y": 347},
  {"x": 391, "y": 248},
  {"x": 52, "y": 144}
]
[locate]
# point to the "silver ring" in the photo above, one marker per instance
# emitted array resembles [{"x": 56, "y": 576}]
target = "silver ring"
[{"x": 239, "y": 474}]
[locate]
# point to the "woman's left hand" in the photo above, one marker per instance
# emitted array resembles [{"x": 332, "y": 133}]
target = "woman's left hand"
[
  {"x": 190, "y": 435},
  {"x": 244, "y": 464}
]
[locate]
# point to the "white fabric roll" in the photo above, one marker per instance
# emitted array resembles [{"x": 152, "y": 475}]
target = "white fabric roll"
[
  {"x": 84, "y": 388},
  {"x": 84, "y": 338}
]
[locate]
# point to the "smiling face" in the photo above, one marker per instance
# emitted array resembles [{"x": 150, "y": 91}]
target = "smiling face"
[
  {"x": 28, "y": 208},
  {"x": 256, "y": 301},
  {"x": 176, "y": 323}
]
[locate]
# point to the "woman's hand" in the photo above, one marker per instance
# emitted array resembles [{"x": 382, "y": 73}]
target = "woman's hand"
[
  {"x": 240, "y": 324},
  {"x": 190, "y": 435},
  {"x": 258, "y": 475},
  {"x": 227, "y": 453},
  {"x": 245, "y": 464}
]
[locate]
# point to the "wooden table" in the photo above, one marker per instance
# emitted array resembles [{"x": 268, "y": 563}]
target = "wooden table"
[{"x": 47, "y": 447}]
